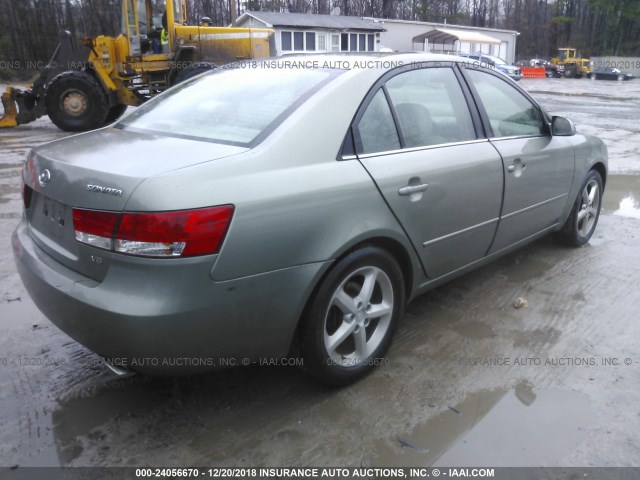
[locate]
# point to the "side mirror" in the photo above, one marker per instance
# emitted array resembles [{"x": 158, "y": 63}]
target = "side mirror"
[{"x": 562, "y": 127}]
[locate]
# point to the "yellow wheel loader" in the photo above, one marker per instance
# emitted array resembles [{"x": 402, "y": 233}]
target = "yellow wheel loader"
[
  {"x": 86, "y": 86},
  {"x": 570, "y": 64}
]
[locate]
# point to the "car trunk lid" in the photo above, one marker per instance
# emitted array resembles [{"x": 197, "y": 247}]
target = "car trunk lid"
[{"x": 98, "y": 171}]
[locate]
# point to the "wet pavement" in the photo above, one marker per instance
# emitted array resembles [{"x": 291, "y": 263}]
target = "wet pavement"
[{"x": 470, "y": 380}]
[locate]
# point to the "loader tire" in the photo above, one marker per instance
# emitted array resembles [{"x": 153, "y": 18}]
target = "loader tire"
[
  {"x": 115, "y": 113},
  {"x": 193, "y": 70},
  {"x": 76, "y": 102}
]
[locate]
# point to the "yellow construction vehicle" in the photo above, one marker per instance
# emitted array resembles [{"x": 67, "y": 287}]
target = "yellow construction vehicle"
[
  {"x": 86, "y": 86},
  {"x": 570, "y": 64}
]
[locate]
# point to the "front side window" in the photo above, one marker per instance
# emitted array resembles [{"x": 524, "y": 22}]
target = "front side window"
[
  {"x": 510, "y": 112},
  {"x": 430, "y": 107},
  {"x": 235, "y": 106}
]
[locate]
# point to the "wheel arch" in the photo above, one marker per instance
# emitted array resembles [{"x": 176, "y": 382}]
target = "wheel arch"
[
  {"x": 103, "y": 80},
  {"x": 391, "y": 245},
  {"x": 602, "y": 170}
]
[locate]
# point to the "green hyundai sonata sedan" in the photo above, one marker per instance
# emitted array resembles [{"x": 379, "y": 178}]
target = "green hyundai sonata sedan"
[{"x": 294, "y": 205}]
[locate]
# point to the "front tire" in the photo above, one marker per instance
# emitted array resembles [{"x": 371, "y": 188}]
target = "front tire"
[
  {"x": 350, "y": 321},
  {"x": 76, "y": 102},
  {"x": 620, "y": 78},
  {"x": 583, "y": 219},
  {"x": 115, "y": 113}
]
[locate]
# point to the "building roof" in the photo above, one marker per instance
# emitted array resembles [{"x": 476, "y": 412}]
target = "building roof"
[
  {"x": 440, "y": 25},
  {"x": 446, "y": 36},
  {"x": 309, "y": 20}
]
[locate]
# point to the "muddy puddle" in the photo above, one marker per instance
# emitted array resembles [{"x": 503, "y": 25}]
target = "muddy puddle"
[
  {"x": 520, "y": 427},
  {"x": 622, "y": 196}
]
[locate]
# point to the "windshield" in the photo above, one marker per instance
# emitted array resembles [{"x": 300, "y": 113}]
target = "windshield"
[{"x": 236, "y": 106}]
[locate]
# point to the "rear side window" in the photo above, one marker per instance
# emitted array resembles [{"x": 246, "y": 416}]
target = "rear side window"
[
  {"x": 510, "y": 112},
  {"x": 430, "y": 107},
  {"x": 236, "y": 106},
  {"x": 376, "y": 128}
]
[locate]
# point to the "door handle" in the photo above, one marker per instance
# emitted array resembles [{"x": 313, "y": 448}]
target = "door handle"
[
  {"x": 517, "y": 166},
  {"x": 411, "y": 189}
]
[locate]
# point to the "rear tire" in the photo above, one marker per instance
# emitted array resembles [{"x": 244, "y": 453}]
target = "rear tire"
[
  {"x": 585, "y": 213},
  {"x": 350, "y": 321},
  {"x": 76, "y": 102}
]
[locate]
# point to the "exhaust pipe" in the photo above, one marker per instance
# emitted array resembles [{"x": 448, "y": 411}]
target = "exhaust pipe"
[{"x": 119, "y": 370}]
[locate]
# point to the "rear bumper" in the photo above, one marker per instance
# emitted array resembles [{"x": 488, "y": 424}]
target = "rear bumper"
[{"x": 172, "y": 319}]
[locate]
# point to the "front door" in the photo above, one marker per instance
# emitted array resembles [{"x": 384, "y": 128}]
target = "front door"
[{"x": 538, "y": 168}]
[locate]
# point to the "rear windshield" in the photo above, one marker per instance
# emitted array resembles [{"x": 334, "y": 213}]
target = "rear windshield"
[{"x": 235, "y": 106}]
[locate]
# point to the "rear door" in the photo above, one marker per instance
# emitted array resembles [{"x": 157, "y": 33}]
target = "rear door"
[
  {"x": 538, "y": 168},
  {"x": 416, "y": 137}
]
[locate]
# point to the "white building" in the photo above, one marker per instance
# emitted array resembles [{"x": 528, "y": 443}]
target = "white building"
[
  {"x": 305, "y": 32},
  {"x": 405, "y": 35}
]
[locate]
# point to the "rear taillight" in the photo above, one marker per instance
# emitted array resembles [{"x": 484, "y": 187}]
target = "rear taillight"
[
  {"x": 95, "y": 227},
  {"x": 182, "y": 233}
]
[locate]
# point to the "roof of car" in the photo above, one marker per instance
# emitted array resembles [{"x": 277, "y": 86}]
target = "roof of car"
[{"x": 355, "y": 60}]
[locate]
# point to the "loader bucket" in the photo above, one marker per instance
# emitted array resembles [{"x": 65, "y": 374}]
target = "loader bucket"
[
  {"x": 10, "y": 117},
  {"x": 22, "y": 106}
]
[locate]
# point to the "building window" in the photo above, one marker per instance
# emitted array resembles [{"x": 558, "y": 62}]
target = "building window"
[
  {"x": 353, "y": 42},
  {"x": 362, "y": 42},
  {"x": 310, "y": 43},
  {"x": 285, "y": 38},
  {"x": 357, "y": 42},
  {"x": 298, "y": 41},
  {"x": 335, "y": 42},
  {"x": 322, "y": 42},
  {"x": 344, "y": 42}
]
